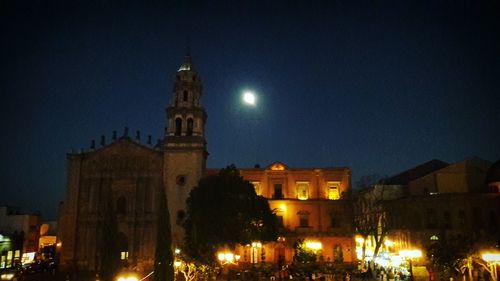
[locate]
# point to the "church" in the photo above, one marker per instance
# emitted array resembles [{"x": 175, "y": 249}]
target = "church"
[{"x": 126, "y": 176}]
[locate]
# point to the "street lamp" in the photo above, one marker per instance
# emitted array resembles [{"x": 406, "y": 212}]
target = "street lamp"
[
  {"x": 227, "y": 258},
  {"x": 410, "y": 255},
  {"x": 127, "y": 277},
  {"x": 492, "y": 259}
]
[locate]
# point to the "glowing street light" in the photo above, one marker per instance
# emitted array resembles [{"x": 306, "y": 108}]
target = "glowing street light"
[
  {"x": 227, "y": 258},
  {"x": 314, "y": 245},
  {"x": 127, "y": 277},
  {"x": 492, "y": 259},
  {"x": 410, "y": 255},
  {"x": 221, "y": 257}
]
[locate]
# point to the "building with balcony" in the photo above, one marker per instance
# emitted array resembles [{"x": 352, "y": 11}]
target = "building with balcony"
[{"x": 312, "y": 205}]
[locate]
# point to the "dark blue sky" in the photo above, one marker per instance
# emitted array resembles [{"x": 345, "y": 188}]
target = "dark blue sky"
[{"x": 377, "y": 86}]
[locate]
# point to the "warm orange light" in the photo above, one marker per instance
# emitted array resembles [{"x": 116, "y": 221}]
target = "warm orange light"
[
  {"x": 227, "y": 258},
  {"x": 282, "y": 207},
  {"x": 359, "y": 239},
  {"x": 278, "y": 167},
  {"x": 314, "y": 245},
  {"x": 256, "y": 245},
  {"x": 130, "y": 277}
]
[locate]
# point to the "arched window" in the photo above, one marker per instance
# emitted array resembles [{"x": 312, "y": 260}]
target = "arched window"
[
  {"x": 190, "y": 127},
  {"x": 178, "y": 126},
  {"x": 185, "y": 96},
  {"x": 121, "y": 205}
]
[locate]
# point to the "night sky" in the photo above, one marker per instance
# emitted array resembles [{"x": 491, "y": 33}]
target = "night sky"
[{"x": 377, "y": 86}]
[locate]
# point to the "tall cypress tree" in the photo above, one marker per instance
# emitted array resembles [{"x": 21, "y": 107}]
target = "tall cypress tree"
[
  {"x": 110, "y": 256},
  {"x": 164, "y": 270}
]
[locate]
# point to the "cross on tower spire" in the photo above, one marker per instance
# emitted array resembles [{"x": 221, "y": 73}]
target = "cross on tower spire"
[{"x": 187, "y": 64}]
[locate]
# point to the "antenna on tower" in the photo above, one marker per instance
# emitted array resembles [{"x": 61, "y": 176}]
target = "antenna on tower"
[{"x": 187, "y": 64}]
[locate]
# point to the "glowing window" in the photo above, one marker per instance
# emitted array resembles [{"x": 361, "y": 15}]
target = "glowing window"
[
  {"x": 302, "y": 190},
  {"x": 9, "y": 258},
  {"x": 333, "y": 190},
  {"x": 124, "y": 255}
]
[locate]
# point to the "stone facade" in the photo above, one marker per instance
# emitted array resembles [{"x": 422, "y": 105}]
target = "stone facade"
[{"x": 129, "y": 175}]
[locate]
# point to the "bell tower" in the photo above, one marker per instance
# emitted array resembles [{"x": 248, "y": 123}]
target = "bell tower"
[{"x": 185, "y": 150}]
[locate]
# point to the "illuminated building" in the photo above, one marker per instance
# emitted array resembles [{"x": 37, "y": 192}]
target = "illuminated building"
[
  {"x": 435, "y": 201},
  {"x": 20, "y": 234},
  {"x": 312, "y": 204}
]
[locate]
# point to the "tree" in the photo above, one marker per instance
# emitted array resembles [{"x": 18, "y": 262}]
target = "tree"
[
  {"x": 224, "y": 210},
  {"x": 370, "y": 217},
  {"x": 302, "y": 254},
  {"x": 110, "y": 256},
  {"x": 458, "y": 254},
  {"x": 190, "y": 269},
  {"x": 164, "y": 270},
  {"x": 450, "y": 255}
]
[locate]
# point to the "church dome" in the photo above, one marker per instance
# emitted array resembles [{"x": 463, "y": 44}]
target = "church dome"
[{"x": 493, "y": 174}]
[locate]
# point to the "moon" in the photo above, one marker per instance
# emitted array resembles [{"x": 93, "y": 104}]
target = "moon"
[{"x": 249, "y": 98}]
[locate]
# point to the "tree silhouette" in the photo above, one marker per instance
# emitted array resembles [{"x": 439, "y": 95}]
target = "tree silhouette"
[
  {"x": 224, "y": 210},
  {"x": 163, "y": 270},
  {"x": 110, "y": 256}
]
